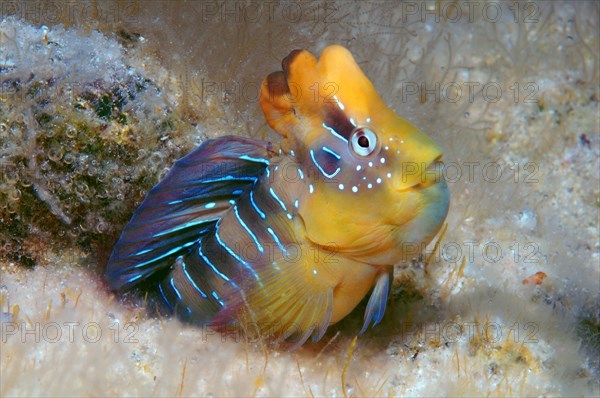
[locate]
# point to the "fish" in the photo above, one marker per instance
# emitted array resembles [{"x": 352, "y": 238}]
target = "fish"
[{"x": 286, "y": 239}]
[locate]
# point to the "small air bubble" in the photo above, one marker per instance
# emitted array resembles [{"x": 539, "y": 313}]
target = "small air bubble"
[
  {"x": 25, "y": 182},
  {"x": 55, "y": 154},
  {"x": 14, "y": 195},
  {"x": 68, "y": 158},
  {"x": 156, "y": 157},
  {"x": 82, "y": 189},
  {"x": 101, "y": 227},
  {"x": 71, "y": 131},
  {"x": 467, "y": 114},
  {"x": 103, "y": 193}
]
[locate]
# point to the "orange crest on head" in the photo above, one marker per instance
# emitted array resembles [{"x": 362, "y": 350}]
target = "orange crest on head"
[{"x": 306, "y": 88}]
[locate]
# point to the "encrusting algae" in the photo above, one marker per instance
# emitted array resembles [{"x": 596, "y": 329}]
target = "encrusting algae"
[{"x": 75, "y": 159}]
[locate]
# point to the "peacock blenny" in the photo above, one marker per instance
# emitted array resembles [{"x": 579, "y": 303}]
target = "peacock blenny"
[{"x": 291, "y": 237}]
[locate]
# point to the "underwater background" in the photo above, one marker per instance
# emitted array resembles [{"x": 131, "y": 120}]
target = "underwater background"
[{"x": 99, "y": 98}]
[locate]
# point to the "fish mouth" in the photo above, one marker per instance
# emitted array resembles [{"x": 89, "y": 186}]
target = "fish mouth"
[
  {"x": 431, "y": 175},
  {"x": 433, "y": 198},
  {"x": 434, "y": 173}
]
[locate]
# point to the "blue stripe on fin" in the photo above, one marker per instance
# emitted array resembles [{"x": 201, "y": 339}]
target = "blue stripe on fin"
[
  {"x": 236, "y": 256},
  {"x": 254, "y": 159},
  {"x": 214, "y": 268},
  {"x": 185, "y": 206},
  {"x": 165, "y": 255},
  {"x": 162, "y": 293},
  {"x": 147, "y": 246},
  {"x": 172, "y": 283},
  {"x": 248, "y": 230},
  {"x": 255, "y": 206},
  {"x": 276, "y": 239},
  {"x": 193, "y": 283},
  {"x": 216, "y": 296},
  {"x": 277, "y": 198},
  {"x": 186, "y": 225}
]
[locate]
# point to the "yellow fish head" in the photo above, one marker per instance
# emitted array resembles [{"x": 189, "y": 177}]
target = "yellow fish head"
[{"x": 374, "y": 189}]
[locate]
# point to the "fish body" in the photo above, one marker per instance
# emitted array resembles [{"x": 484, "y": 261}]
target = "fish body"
[{"x": 290, "y": 238}]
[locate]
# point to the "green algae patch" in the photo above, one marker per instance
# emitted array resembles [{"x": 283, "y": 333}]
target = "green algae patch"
[{"x": 78, "y": 149}]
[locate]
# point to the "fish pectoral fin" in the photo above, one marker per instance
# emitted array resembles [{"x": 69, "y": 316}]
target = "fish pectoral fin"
[
  {"x": 287, "y": 304},
  {"x": 377, "y": 302},
  {"x": 185, "y": 205}
]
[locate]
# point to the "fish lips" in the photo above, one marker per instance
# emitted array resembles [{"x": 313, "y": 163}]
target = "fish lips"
[
  {"x": 415, "y": 175},
  {"x": 434, "y": 198}
]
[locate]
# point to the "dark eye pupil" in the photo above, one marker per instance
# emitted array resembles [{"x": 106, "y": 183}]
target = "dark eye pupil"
[{"x": 363, "y": 141}]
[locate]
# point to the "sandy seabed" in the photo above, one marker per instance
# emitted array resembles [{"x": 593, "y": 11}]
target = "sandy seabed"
[{"x": 510, "y": 303}]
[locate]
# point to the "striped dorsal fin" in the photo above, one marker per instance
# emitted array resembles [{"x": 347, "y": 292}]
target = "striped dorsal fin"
[{"x": 184, "y": 206}]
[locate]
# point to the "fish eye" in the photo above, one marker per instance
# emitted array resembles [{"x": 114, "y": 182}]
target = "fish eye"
[{"x": 363, "y": 141}]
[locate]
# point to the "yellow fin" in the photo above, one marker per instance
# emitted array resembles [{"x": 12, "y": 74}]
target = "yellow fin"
[{"x": 291, "y": 302}]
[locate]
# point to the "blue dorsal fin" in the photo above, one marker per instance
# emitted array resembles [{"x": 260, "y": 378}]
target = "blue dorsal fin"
[{"x": 185, "y": 205}]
